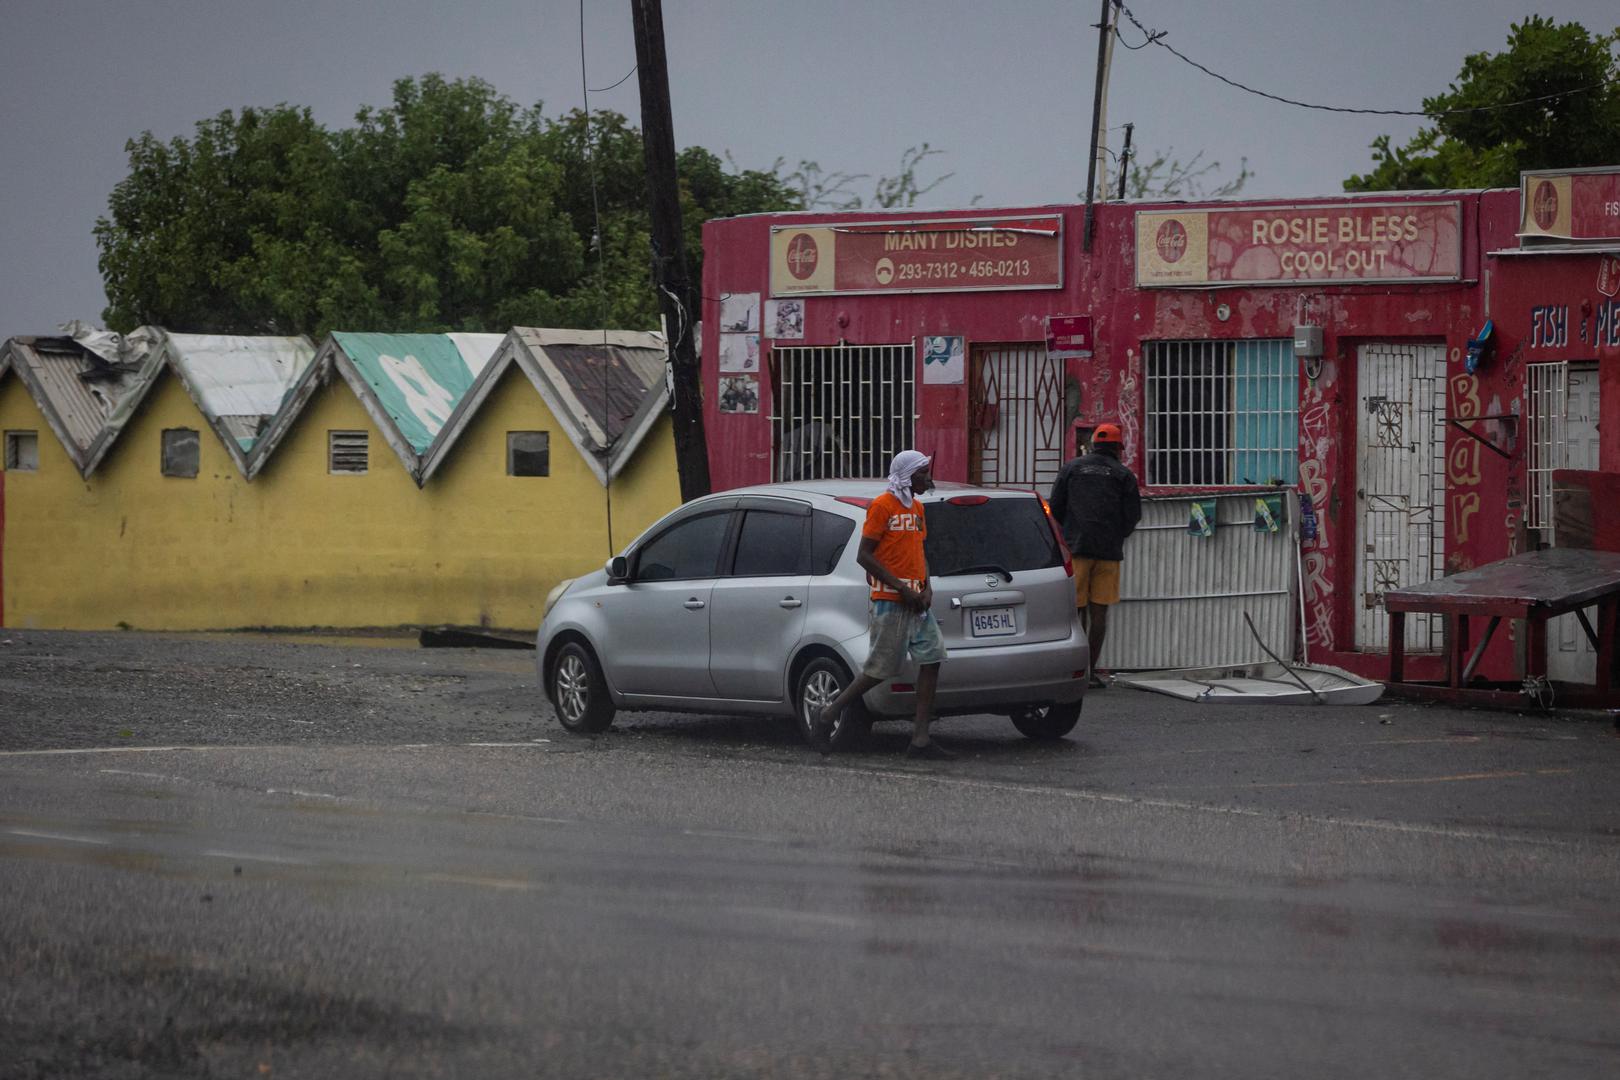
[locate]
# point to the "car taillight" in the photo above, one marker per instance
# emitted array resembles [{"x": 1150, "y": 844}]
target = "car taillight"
[
  {"x": 855, "y": 500},
  {"x": 968, "y": 500},
  {"x": 1068, "y": 559}
]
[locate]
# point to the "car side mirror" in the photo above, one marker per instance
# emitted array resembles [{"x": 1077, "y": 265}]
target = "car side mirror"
[{"x": 618, "y": 570}]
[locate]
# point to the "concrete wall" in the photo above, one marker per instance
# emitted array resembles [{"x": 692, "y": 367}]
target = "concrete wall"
[{"x": 299, "y": 547}]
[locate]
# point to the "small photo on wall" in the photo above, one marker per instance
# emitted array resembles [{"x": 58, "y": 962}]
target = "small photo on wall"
[
  {"x": 739, "y": 394},
  {"x": 942, "y": 359},
  {"x": 785, "y": 319},
  {"x": 739, "y": 352},
  {"x": 739, "y": 313}
]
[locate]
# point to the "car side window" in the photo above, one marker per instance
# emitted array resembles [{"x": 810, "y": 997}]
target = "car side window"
[
  {"x": 829, "y": 534},
  {"x": 771, "y": 543},
  {"x": 689, "y": 549}
]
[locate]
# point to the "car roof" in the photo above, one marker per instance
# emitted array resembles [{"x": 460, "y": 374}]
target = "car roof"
[{"x": 867, "y": 488}]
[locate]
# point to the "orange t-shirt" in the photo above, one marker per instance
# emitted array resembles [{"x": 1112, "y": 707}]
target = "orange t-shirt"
[{"x": 899, "y": 533}]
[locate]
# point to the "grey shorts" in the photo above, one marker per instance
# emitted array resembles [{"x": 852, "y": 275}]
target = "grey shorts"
[{"x": 896, "y": 630}]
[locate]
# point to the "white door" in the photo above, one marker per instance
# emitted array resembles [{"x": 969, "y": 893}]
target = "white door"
[
  {"x": 1570, "y": 656},
  {"x": 1400, "y": 486},
  {"x": 1017, "y": 417}
]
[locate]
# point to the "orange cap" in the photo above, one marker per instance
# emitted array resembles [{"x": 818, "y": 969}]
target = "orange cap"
[{"x": 1108, "y": 433}]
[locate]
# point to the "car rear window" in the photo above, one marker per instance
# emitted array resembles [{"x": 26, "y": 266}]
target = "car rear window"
[
  {"x": 1009, "y": 534},
  {"x": 828, "y": 535}
]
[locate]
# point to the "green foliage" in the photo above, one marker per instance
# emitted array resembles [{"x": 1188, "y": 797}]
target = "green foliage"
[
  {"x": 450, "y": 209},
  {"x": 1489, "y": 148}
]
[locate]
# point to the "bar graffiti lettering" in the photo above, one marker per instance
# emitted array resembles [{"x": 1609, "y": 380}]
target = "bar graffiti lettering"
[
  {"x": 1464, "y": 394},
  {"x": 1318, "y": 595},
  {"x": 1464, "y": 505},
  {"x": 1549, "y": 326},
  {"x": 1462, "y": 464},
  {"x": 1129, "y": 427}
]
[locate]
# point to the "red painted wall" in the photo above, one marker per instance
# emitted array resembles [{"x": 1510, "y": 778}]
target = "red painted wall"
[{"x": 1484, "y": 489}]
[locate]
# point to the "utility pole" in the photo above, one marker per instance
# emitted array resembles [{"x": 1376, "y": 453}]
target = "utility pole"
[
  {"x": 676, "y": 295},
  {"x": 1125, "y": 159},
  {"x": 1099, "y": 109}
]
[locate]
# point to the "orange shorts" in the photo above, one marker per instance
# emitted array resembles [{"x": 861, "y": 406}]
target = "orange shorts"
[{"x": 1096, "y": 581}]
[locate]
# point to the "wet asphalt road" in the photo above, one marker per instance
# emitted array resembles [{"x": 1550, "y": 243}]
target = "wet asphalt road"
[{"x": 262, "y": 857}]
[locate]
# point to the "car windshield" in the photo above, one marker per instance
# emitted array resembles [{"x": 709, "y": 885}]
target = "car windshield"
[{"x": 997, "y": 534}]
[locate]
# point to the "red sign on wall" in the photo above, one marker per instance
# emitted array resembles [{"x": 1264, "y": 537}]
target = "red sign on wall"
[
  {"x": 1068, "y": 337},
  {"x": 1281, "y": 245},
  {"x": 953, "y": 255},
  {"x": 1576, "y": 204}
]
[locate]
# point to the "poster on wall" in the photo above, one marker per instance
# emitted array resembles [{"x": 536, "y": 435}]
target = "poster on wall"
[
  {"x": 942, "y": 359},
  {"x": 917, "y": 255},
  {"x": 1068, "y": 337},
  {"x": 739, "y": 313},
  {"x": 739, "y": 394},
  {"x": 739, "y": 352},
  {"x": 1570, "y": 204},
  {"x": 784, "y": 319}
]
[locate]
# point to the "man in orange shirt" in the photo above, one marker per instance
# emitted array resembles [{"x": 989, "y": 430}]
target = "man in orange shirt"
[{"x": 892, "y": 555}]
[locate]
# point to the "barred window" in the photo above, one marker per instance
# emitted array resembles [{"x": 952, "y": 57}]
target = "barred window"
[
  {"x": 181, "y": 452},
  {"x": 528, "y": 453},
  {"x": 842, "y": 410},
  {"x": 22, "y": 451},
  {"x": 1221, "y": 412}
]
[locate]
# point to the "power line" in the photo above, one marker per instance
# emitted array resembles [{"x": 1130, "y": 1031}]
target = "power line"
[
  {"x": 605, "y": 89},
  {"x": 1156, "y": 37}
]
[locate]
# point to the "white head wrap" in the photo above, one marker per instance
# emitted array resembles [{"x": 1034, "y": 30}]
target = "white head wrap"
[{"x": 905, "y": 463}]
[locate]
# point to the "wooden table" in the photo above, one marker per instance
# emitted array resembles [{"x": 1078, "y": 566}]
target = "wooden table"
[{"x": 1535, "y": 587}]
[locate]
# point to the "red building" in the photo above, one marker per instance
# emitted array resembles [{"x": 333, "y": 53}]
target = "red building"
[{"x": 1323, "y": 345}]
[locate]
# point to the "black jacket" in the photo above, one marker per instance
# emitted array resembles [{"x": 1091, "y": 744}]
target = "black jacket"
[{"x": 1097, "y": 503}]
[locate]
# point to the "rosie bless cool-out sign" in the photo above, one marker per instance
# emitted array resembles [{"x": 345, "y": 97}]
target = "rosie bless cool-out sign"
[
  {"x": 939, "y": 255},
  {"x": 1282, "y": 245}
]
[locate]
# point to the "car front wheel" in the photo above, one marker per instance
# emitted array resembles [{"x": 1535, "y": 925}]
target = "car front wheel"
[
  {"x": 579, "y": 691},
  {"x": 822, "y": 680},
  {"x": 1047, "y": 722}
]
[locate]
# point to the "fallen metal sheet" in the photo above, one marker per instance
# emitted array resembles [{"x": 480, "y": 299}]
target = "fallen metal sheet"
[{"x": 1268, "y": 684}]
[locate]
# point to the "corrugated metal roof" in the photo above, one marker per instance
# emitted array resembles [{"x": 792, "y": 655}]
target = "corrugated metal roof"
[
  {"x": 85, "y": 397},
  {"x": 606, "y": 387},
  {"x": 416, "y": 379},
  {"x": 238, "y": 383}
]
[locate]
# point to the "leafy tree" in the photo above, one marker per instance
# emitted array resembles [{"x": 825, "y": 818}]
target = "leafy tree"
[
  {"x": 450, "y": 209},
  {"x": 1576, "y": 121},
  {"x": 1169, "y": 177}
]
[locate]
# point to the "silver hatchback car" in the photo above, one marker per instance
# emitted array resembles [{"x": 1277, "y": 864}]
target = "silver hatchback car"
[{"x": 751, "y": 601}]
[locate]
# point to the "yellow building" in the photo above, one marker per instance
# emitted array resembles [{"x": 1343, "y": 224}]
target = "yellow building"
[{"x": 400, "y": 480}]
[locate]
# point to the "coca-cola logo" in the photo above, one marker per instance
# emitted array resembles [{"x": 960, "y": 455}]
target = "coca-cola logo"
[
  {"x": 1544, "y": 206},
  {"x": 1171, "y": 241},
  {"x": 802, "y": 255}
]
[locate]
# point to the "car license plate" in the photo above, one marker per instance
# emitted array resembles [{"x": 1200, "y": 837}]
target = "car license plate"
[{"x": 992, "y": 622}]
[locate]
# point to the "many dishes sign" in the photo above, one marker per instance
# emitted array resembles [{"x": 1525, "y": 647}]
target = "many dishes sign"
[{"x": 938, "y": 255}]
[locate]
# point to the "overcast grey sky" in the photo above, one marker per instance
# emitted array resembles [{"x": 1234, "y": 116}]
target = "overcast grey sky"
[{"x": 1003, "y": 87}]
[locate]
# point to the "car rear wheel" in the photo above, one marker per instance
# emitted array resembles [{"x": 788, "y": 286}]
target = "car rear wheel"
[
  {"x": 579, "y": 691},
  {"x": 822, "y": 680},
  {"x": 1047, "y": 722}
]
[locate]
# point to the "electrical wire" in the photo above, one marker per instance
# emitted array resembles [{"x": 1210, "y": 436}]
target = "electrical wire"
[
  {"x": 615, "y": 86},
  {"x": 601, "y": 283},
  {"x": 1156, "y": 37}
]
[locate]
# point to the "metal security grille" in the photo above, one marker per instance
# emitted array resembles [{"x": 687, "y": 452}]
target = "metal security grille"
[
  {"x": 1221, "y": 412},
  {"x": 1548, "y": 408},
  {"x": 841, "y": 410},
  {"x": 1400, "y": 486},
  {"x": 1016, "y": 432},
  {"x": 346, "y": 451}
]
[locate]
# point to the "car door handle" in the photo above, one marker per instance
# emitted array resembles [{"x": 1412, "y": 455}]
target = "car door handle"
[
  {"x": 694, "y": 604},
  {"x": 789, "y": 602}
]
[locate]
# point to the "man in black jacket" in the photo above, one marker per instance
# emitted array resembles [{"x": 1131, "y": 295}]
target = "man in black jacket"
[{"x": 1097, "y": 503}]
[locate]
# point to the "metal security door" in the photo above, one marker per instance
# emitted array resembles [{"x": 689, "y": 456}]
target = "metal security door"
[
  {"x": 1569, "y": 652},
  {"x": 1400, "y": 486},
  {"x": 1016, "y": 417}
]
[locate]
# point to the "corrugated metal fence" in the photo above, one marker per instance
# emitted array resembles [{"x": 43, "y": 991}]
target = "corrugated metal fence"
[{"x": 1183, "y": 596}]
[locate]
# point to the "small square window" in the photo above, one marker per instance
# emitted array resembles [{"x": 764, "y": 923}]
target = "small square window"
[
  {"x": 528, "y": 453},
  {"x": 346, "y": 451},
  {"x": 180, "y": 452},
  {"x": 22, "y": 451}
]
